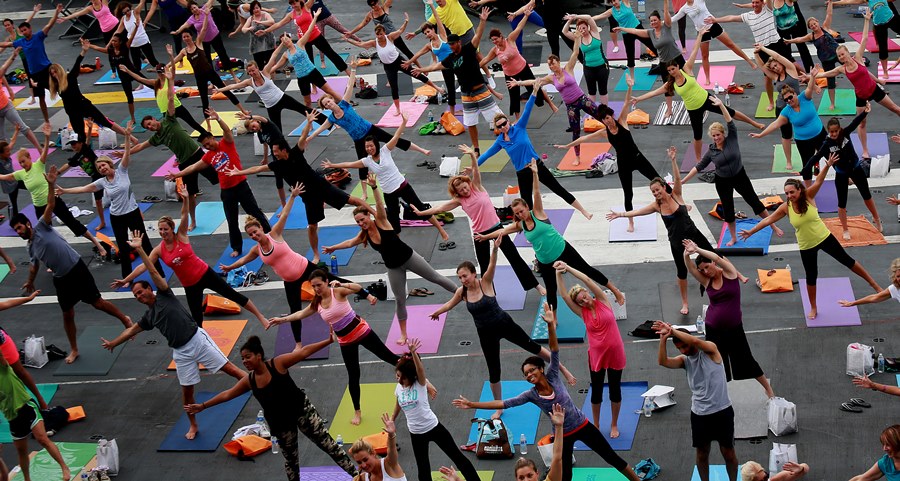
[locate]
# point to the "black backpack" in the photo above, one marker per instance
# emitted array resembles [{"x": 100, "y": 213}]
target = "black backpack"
[
  {"x": 55, "y": 418},
  {"x": 645, "y": 330}
]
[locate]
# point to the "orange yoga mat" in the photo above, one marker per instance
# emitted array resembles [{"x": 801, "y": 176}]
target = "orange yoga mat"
[
  {"x": 95, "y": 129},
  {"x": 224, "y": 333},
  {"x": 862, "y": 232},
  {"x": 588, "y": 152}
]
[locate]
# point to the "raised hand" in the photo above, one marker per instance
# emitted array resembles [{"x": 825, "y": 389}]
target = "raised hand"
[
  {"x": 389, "y": 426},
  {"x": 413, "y": 344},
  {"x": 561, "y": 266},
  {"x": 449, "y": 474},
  {"x": 211, "y": 114},
  {"x": 298, "y": 189},
  {"x": 136, "y": 240},
  {"x": 558, "y": 415},
  {"x": 689, "y": 246},
  {"x": 465, "y": 149},
  {"x": 548, "y": 315},
  {"x": 672, "y": 152}
]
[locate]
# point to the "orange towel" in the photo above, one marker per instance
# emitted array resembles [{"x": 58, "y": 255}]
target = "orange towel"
[{"x": 862, "y": 232}]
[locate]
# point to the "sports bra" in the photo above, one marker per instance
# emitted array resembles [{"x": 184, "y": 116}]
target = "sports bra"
[{"x": 286, "y": 262}]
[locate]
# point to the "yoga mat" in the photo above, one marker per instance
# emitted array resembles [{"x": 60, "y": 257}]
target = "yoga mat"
[
  {"x": 36, "y": 154},
  {"x": 643, "y": 80},
  {"x": 878, "y": 143},
  {"x": 296, "y": 219},
  {"x": 333, "y": 235},
  {"x": 844, "y": 103},
  {"x": 422, "y": 241},
  {"x": 826, "y": 198},
  {"x": 508, "y": 289},
  {"x": 227, "y": 77},
  {"x": 689, "y": 161},
  {"x": 540, "y": 115},
  {"x": 109, "y": 79},
  {"x": 761, "y": 112},
  {"x": 324, "y": 473},
  {"x": 23, "y": 103},
  {"x": 569, "y": 325},
  {"x": 93, "y": 359},
  {"x": 47, "y": 392},
  {"x": 253, "y": 266},
  {"x": 717, "y": 472},
  {"x": 679, "y": 116},
  {"x": 299, "y": 130},
  {"x": 644, "y": 228},
  {"x": 872, "y": 45},
  {"x": 670, "y": 303},
  {"x": 330, "y": 69},
  {"x": 589, "y": 151},
  {"x": 4, "y": 271},
  {"x": 167, "y": 272},
  {"x": 139, "y": 114},
  {"x": 750, "y": 414},
  {"x": 412, "y": 110},
  {"x": 404, "y": 85},
  {"x": 338, "y": 84},
  {"x": 75, "y": 455},
  {"x": 92, "y": 226},
  {"x": 533, "y": 54},
  {"x": 210, "y": 215},
  {"x": 375, "y": 399},
  {"x": 214, "y": 423},
  {"x": 482, "y": 476},
  {"x": 597, "y": 474},
  {"x": 779, "y": 162},
  {"x": 629, "y": 415},
  {"x": 862, "y": 232},
  {"x": 7, "y": 231},
  {"x": 314, "y": 330},
  {"x": 118, "y": 97},
  {"x": 559, "y": 218},
  {"x": 759, "y": 240},
  {"x": 829, "y": 312},
  {"x": 621, "y": 55},
  {"x": 168, "y": 166},
  {"x": 357, "y": 192},
  {"x": 723, "y": 74},
  {"x": 497, "y": 162},
  {"x": 229, "y": 116},
  {"x": 893, "y": 76},
  {"x": 519, "y": 420},
  {"x": 418, "y": 326},
  {"x": 224, "y": 333}
]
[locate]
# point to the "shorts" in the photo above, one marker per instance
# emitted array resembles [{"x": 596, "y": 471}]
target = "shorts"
[
  {"x": 329, "y": 194},
  {"x": 8, "y": 349},
  {"x": 877, "y": 96},
  {"x": 77, "y": 285},
  {"x": 477, "y": 102},
  {"x": 27, "y": 418},
  {"x": 714, "y": 31},
  {"x": 41, "y": 80},
  {"x": 200, "y": 349},
  {"x": 718, "y": 426},
  {"x": 315, "y": 78}
]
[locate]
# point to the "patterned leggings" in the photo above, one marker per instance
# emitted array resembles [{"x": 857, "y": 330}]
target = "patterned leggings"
[
  {"x": 574, "y": 109},
  {"x": 313, "y": 427}
]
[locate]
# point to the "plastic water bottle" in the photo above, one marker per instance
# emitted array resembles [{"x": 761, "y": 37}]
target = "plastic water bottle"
[
  {"x": 84, "y": 476},
  {"x": 274, "y": 445},
  {"x": 340, "y": 441},
  {"x": 727, "y": 100},
  {"x": 334, "y": 264},
  {"x": 59, "y": 139},
  {"x": 642, "y": 8},
  {"x": 431, "y": 115},
  {"x": 647, "y": 408},
  {"x": 263, "y": 426},
  {"x": 523, "y": 444},
  {"x": 880, "y": 362},
  {"x": 701, "y": 326},
  {"x": 716, "y": 88},
  {"x": 787, "y": 267}
]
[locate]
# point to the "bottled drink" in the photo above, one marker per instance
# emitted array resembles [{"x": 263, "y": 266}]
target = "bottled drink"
[
  {"x": 787, "y": 267},
  {"x": 97, "y": 63},
  {"x": 334, "y": 264},
  {"x": 716, "y": 88},
  {"x": 544, "y": 157},
  {"x": 340, "y": 441},
  {"x": 648, "y": 407},
  {"x": 701, "y": 326},
  {"x": 274, "y": 445},
  {"x": 727, "y": 100},
  {"x": 880, "y": 362},
  {"x": 523, "y": 444},
  {"x": 431, "y": 115},
  {"x": 263, "y": 427}
]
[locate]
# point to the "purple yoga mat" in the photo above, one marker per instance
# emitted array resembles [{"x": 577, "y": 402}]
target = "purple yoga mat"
[
  {"x": 170, "y": 165},
  {"x": 616, "y": 106},
  {"x": 338, "y": 84},
  {"x": 689, "y": 160},
  {"x": 418, "y": 326},
  {"x": 314, "y": 330},
  {"x": 510, "y": 294},
  {"x": 7, "y": 231},
  {"x": 830, "y": 290},
  {"x": 559, "y": 218},
  {"x": 826, "y": 198},
  {"x": 878, "y": 143},
  {"x": 323, "y": 473}
]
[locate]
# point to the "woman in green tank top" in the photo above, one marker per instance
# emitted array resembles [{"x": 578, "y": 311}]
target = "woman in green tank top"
[{"x": 812, "y": 234}]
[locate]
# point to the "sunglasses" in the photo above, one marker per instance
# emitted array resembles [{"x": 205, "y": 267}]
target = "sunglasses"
[
  {"x": 501, "y": 125},
  {"x": 788, "y": 98}
]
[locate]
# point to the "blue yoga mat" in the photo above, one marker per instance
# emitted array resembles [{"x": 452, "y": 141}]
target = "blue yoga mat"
[
  {"x": 297, "y": 219},
  {"x": 167, "y": 271},
  {"x": 225, "y": 258},
  {"x": 299, "y": 130},
  {"x": 332, "y": 235},
  {"x": 643, "y": 80},
  {"x": 47, "y": 392},
  {"x": 826, "y": 198},
  {"x": 92, "y": 227},
  {"x": 760, "y": 239},
  {"x": 226, "y": 77},
  {"x": 518, "y": 420},
  {"x": 330, "y": 69},
  {"x": 108, "y": 79},
  {"x": 717, "y": 472},
  {"x": 214, "y": 424},
  {"x": 569, "y": 326},
  {"x": 210, "y": 215},
  {"x": 628, "y": 417}
]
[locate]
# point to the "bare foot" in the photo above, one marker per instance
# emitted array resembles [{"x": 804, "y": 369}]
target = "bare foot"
[
  {"x": 323, "y": 65},
  {"x": 812, "y": 313},
  {"x": 878, "y": 225},
  {"x": 846, "y": 235},
  {"x": 577, "y": 161},
  {"x": 866, "y": 155},
  {"x": 298, "y": 346},
  {"x": 315, "y": 259},
  {"x": 401, "y": 341},
  {"x": 72, "y": 356},
  {"x": 101, "y": 226},
  {"x": 235, "y": 253},
  {"x": 630, "y": 225},
  {"x": 759, "y": 125},
  {"x": 357, "y": 418},
  {"x": 192, "y": 432},
  {"x": 397, "y": 113},
  {"x": 789, "y": 166},
  {"x": 192, "y": 227},
  {"x": 744, "y": 279},
  {"x": 770, "y": 108},
  {"x": 541, "y": 290},
  {"x": 777, "y": 230},
  {"x": 613, "y": 432},
  {"x": 831, "y": 107},
  {"x": 684, "y": 309},
  {"x": 497, "y": 414},
  {"x": 730, "y": 243}
]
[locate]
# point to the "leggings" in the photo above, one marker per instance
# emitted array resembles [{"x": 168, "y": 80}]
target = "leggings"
[
  {"x": 519, "y": 266},
  {"x": 830, "y": 246},
  {"x": 350, "y": 353},
  {"x": 740, "y": 183},
  {"x": 61, "y": 211},
  {"x": 554, "y": 24},
  {"x": 678, "y": 250},
  {"x": 392, "y": 69},
  {"x": 881, "y": 33},
  {"x": 145, "y": 51},
  {"x": 525, "y": 178},
  {"x": 125, "y": 80},
  {"x": 682, "y": 30},
  {"x": 829, "y": 65},
  {"x": 382, "y": 136},
  {"x": 290, "y": 103},
  {"x": 696, "y": 116},
  {"x": 212, "y": 78},
  {"x": 417, "y": 265},
  {"x": 628, "y": 39},
  {"x": 174, "y": 23},
  {"x": 626, "y": 168},
  {"x": 573, "y": 111},
  {"x": 322, "y": 44},
  {"x": 450, "y": 87},
  {"x": 313, "y": 427},
  {"x": 85, "y": 110},
  {"x": 215, "y": 283},
  {"x": 122, "y": 226},
  {"x": 392, "y": 203},
  {"x": 597, "y": 79},
  {"x": 216, "y": 43},
  {"x": 14, "y": 198},
  {"x": 515, "y": 93},
  {"x": 333, "y": 22},
  {"x": 440, "y": 436},
  {"x": 840, "y": 183},
  {"x": 736, "y": 356},
  {"x": 262, "y": 58},
  {"x": 489, "y": 337},
  {"x": 9, "y": 113},
  {"x": 615, "y": 385},
  {"x": 182, "y": 113},
  {"x": 534, "y": 18},
  {"x": 591, "y": 436},
  {"x": 240, "y": 195},
  {"x": 799, "y": 30},
  {"x": 571, "y": 257},
  {"x": 807, "y": 149}
]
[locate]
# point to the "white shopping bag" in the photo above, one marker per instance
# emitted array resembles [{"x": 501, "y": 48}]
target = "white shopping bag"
[
  {"x": 860, "y": 360},
  {"x": 546, "y": 452},
  {"x": 35, "y": 352},
  {"x": 621, "y": 312},
  {"x": 780, "y": 454},
  {"x": 782, "y": 416},
  {"x": 108, "y": 456},
  {"x": 881, "y": 165},
  {"x": 449, "y": 166},
  {"x": 171, "y": 189},
  {"x": 107, "y": 139},
  {"x": 257, "y": 146}
]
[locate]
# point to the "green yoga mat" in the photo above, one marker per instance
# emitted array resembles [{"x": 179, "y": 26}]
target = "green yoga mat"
[
  {"x": 75, "y": 455},
  {"x": 357, "y": 192},
  {"x": 93, "y": 360},
  {"x": 844, "y": 103},
  {"x": 596, "y": 474},
  {"x": 482, "y": 475},
  {"x": 140, "y": 114},
  {"x": 374, "y": 400},
  {"x": 778, "y": 164},
  {"x": 4, "y": 271},
  {"x": 761, "y": 112},
  {"x": 47, "y": 392},
  {"x": 494, "y": 164},
  {"x": 643, "y": 80}
]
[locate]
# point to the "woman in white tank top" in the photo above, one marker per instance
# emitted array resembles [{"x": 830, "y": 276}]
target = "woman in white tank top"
[
  {"x": 131, "y": 23},
  {"x": 371, "y": 466}
]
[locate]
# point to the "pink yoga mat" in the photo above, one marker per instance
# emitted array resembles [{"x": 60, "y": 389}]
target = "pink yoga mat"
[
  {"x": 413, "y": 111},
  {"x": 621, "y": 55},
  {"x": 170, "y": 165},
  {"x": 830, "y": 290},
  {"x": 510, "y": 294},
  {"x": 324, "y": 473},
  {"x": 338, "y": 84},
  {"x": 35, "y": 155},
  {"x": 724, "y": 74},
  {"x": 115, "y": 155},
  {"x": 418, "y": 326},
  {"x": 893, "y": 75},
  {"x": 690, "y": 160},
  {"x": 872, "y": 45},
  {"x": 559, "y": 218}
]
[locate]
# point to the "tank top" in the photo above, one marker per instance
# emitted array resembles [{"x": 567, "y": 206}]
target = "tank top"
[
  {"x": 679, "y": 224},
  {"x": 785, "y": 16},
  {"x": 862, "y": 82},
  {"x": 709, "y": 388},
  {"x": 442, "y": 52},
  {"x": 480, "y": 209},
  {"x": 388, "y": 53},
  {"x": 511, "y": 60},
  {"x": 811, "y": 231},
  {"x": 385, "y": 21},
  {"x": 606, "y": 350},
  {"x": 105, "y": 18},
  {"x": 336, "y": 311},
  {"x": 593, "y": 53},
  {"x": 268, "y": 92},
  {"x": 198, "y": 61},
  {"x": 4, "y": 100},
  {"x": 393, "y": 251},
  {"x": 303, "y": 21},
  {"x": 790, "y": 82},
  {"x": 121, "y": 58},
  {"x": 486, "y": 310},
  {"x": 826, "y": 47},
  {"x": 625, "y": 16},
  {"x": 547, "y": 242},
  {"x": 188, "y": 267},
  {"x": 162, "y": 97},
  {"x": 349, "y": 327},
  {"x": 282, "y": 401},
  {"x": 287, "y": 263},
  {"x": 385, "y": 475},
  {"x": 568, "y": 88},
  {"x": 131, "y": 23},
  {"x": 623, "y": 142},
  {"x": 724, "y": 304},
  {"x": 691, "y": 92}
]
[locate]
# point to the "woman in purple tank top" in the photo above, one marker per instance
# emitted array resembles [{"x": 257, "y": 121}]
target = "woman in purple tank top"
[{"x": 724, "y": 326}]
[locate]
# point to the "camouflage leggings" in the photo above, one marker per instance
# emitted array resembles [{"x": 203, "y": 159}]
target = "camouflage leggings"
[{"x": 313, "y": 427}]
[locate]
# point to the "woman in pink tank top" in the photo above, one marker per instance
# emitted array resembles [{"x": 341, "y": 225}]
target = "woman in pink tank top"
[
  {"x": 194, "y": 274},
  {"x": 100, "y": 10}
]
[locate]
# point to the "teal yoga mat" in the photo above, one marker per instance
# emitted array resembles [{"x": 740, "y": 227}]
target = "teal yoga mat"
[
  {"x": 519, "y": 420},
  {"x": 629, "y": 415},
  {"x": 107, "y": 229},
  {"x": 844, "y": 103},
  {"x": 47, "y": 392},
  {"x": 597, "y": 474},
  {"x": 569, "y": 326},
  {"x": 210, "y": 215},
  {"x": 643, "y": 80},
  {"x": 717, "y": 472},
  {"x": 93, "y": 360},
  {"x": 759, "y": 240},
  {"x": 333, "y": 235},
  {"x": 140, "y": 114},
  {"x": 330, "y": 69}
]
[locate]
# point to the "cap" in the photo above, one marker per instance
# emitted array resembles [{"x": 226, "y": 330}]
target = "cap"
[{"x": 73, "y": 137}]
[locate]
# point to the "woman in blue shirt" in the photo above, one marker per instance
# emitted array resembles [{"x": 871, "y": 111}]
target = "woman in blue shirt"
[{"x": 887, "y": 465}]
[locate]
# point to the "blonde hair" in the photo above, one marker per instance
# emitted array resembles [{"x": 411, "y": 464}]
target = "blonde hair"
[
  {"x": 749, "y": 470},
  {"x": 105, "y": 160},
  {"x": 360, "y": 446},
  {"x": 574, "y": 291},
  {"x": 251, "y": 221},
  {"x": 895, "y": 266},
  {"x": 59, "y": 83},
  {"x": 166, "y": 220},
  {"x": 22, "y": 153},
  {"x": 716, "y": 127}
]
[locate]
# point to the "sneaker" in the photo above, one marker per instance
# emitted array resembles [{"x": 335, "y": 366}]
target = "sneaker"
[
  {"x": 94, "y": 475},
  {"x": 616, "y": 49},
  {"x": 104, "y": 476}
]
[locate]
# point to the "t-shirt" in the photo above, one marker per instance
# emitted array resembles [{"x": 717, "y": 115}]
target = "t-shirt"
[
  {"x": 574, "y": 417},
  {"x": 806, "y": 122},
  {"x": 888, "y": 469},
  {"x": 34, "y": 51},
  {"x": 296, "y": 169},
  {"x": 465, "y": 66},
  {"x": 226, "y": 158},
  {"x": 47, "y": 246},
  {"x": 212, "y": 31},
  {"x": 388, "y": 174},
  {"x": 13, "y": 394},
  {"x": 268, "y": 133},
  {"x": 171, "y": 318},
  {"x": 895, "y": 292},
  {"x": 35, "y": 182},
  {"x": 6, "y": 167},
  {"x": 762, "y": 25},
  {"x": 357, "y": 127},
  {"x": 453, "y": 17},
  {"x": 172, "y": 135},
  {"x": 413, "y": 400},
  {"x": 121, "y": 197}
]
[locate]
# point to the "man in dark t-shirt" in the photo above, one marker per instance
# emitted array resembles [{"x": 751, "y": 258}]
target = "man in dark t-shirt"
[
  {"x": 267, "y": 133},
  {"x": 84, "y": 159}
]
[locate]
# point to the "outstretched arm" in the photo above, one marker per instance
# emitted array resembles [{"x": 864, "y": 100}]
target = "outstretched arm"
[
  {"x": 285, "y": 361},
  {"x": 865, "y": 35},
  {"x": 689, "y": 63}
]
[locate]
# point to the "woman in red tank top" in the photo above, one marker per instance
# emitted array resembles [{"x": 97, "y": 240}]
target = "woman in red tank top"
[{"x": 301, "y": 15}]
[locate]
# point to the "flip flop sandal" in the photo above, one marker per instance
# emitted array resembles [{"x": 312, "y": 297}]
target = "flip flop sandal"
[
  {"x": 424, "y": 163},
  {"x": 740, "y": 215},
  {"x": 418, "y": 293},
  {"x": 442, "y": 246},
  {"x": 424, "y": 290},
  {"x": 451, "y": 245},
  {"x": 859, "y": 402},
  {"x": 748, "y": 85},
  {"x": 850, "y": 408}
]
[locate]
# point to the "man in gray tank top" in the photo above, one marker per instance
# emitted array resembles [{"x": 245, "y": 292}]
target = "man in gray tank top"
[{"x": 712, "y": 418}]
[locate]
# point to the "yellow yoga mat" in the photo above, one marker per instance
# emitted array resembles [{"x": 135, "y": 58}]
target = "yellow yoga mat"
[
  {"x": 187, "y": 68},
  {"x": 497, "y": 162},
  {"x": 374, "y": 400},
  {"x": 224, "y": 333},
  {"x": 482, "y": 475},
  {"x": 230, "y": 118},
  {"x": 117, "y": 97}
]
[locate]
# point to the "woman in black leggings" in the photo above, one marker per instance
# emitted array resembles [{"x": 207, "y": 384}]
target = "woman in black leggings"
[
  {"x": 161, "y": 86},
  {"x": 212, "y": 38},
  {"x": 119, "y": 57}
]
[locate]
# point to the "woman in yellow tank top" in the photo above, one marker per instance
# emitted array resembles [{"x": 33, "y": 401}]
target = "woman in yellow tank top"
[{"x": 812, "y": 234}]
